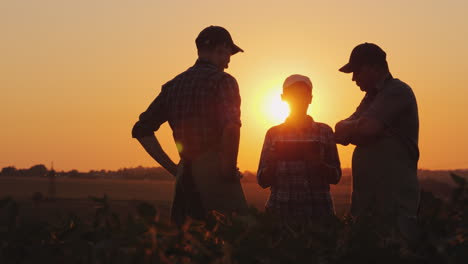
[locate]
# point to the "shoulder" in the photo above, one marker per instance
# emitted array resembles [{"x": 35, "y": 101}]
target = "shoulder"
[
  {"x": 398, "y": 87},
  {"x": 226, "y": 79},
  {"x": 174, "y": 80},
  {"x": 399, "y": 84},
  {"x": 226, "y": 86},
  {"x": 226, "y": 76},
  {"x": 324, "y": 127},
  {"x": 273, "y": 131}
]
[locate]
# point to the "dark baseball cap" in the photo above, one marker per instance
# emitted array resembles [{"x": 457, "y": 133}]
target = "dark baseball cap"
[
  {"x": 364, "y": 54},
  {"x": 216, "y": 35}
]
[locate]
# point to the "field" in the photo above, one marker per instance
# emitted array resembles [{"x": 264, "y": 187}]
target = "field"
[
  {"x": 76, "y": 229},
  {"x": 73, "y": 195}
]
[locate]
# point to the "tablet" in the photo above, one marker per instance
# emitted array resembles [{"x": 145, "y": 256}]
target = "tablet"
[{"x": 298, "y": 150}]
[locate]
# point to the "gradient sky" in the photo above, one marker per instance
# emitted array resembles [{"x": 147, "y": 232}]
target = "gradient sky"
[{"x": 75, "y": 75}]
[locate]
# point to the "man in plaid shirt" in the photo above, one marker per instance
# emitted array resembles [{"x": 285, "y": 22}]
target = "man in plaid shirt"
[
  {"x": 299, "y": 159},
  {"x": 202, "y": 106}
]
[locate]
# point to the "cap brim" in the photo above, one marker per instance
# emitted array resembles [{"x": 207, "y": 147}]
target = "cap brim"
[
  {"x": 347, "y": 68},
  {"x": 236, "y": 49}
]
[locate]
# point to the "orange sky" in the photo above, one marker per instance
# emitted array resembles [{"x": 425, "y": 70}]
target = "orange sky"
[{"x": 75, "y": 75}]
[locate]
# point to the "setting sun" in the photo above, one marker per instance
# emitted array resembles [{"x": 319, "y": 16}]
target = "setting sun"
[
  {"x": 274, "y": 108},
  {"x": 95, "y": 66}
]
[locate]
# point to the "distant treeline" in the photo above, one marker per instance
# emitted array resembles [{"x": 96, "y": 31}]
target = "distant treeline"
[
  {"x": 158, "y": 173},
  {"x": 138, "y": 173}
]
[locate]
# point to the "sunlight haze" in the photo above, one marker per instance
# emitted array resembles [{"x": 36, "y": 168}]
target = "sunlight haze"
[{"x": 75, "y": 75}]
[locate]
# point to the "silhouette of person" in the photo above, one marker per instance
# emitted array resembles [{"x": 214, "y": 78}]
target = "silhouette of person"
[
  {"x": 202, "y": 106},
  {"x": 385, "y": 129},
  {"x": 299, "y": 160}
]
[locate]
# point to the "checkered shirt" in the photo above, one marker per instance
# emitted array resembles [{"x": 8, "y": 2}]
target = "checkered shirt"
[
  {"x": 198, "y": 104},
  {"x": 299, "y": 189}
]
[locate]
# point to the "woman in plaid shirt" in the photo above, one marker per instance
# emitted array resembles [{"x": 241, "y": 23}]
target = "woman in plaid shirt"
[{"x": 299, "y": 159}]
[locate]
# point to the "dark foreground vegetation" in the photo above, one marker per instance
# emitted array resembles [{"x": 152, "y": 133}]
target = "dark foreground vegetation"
[{"x": 441, "y": 237}]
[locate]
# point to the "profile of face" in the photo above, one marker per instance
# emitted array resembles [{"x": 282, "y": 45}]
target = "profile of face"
[
  {"x": 222, "y": 56},
  {"x": 366, "y": 77},
  {"x": 298, "y": 96}
]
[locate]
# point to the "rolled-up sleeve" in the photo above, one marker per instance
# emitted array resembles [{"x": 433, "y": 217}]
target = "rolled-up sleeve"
[
  {"x": 152, "y": 118},
  {"x": 390, "y": 103},
  {"x": 229, "y": 101}
]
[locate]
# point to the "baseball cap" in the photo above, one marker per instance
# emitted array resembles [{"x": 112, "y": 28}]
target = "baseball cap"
[
  {"x": 295, "y": 78},
  {"x": 215, "y": 35},
  {"x": 364, "y": 54}
]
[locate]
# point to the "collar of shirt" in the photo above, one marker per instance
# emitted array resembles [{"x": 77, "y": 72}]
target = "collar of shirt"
[
  {"x": 382, "y": 83},
  {"x": 299, "y": 123},
  {"x": 205, "y": 63}
]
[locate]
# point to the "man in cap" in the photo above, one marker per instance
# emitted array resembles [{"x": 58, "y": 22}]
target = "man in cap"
[
  {"x": 385, "y": 129},
  {"x": 202, "y": 106},
  {"x": 299, "y": 160}
]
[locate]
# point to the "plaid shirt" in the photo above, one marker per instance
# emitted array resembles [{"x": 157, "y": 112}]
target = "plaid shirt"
[
  {"x": 299, "y": 188},
  {"x": 198, "y": 104}
]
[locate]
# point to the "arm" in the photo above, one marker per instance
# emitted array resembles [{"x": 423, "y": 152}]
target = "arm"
[
  {"x": 332, "y": 165},
  {"x": 144, "y": 129},
  {"x": 360, "y": 131},
  {"x": 366, "y": 130},
  {"x": 266, "y": 172},
  {"x": 343, "y": 131},
  {"x": 230, "y": 150},
  {"x": 345, "y": 128},
  {"x": 153, "y": 148},
  {"x": 385, "y": 108},
  {"x": 229, "y": 115}
]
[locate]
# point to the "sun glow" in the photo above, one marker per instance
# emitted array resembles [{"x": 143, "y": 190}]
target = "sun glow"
[{"x": 274, "y": 108}]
